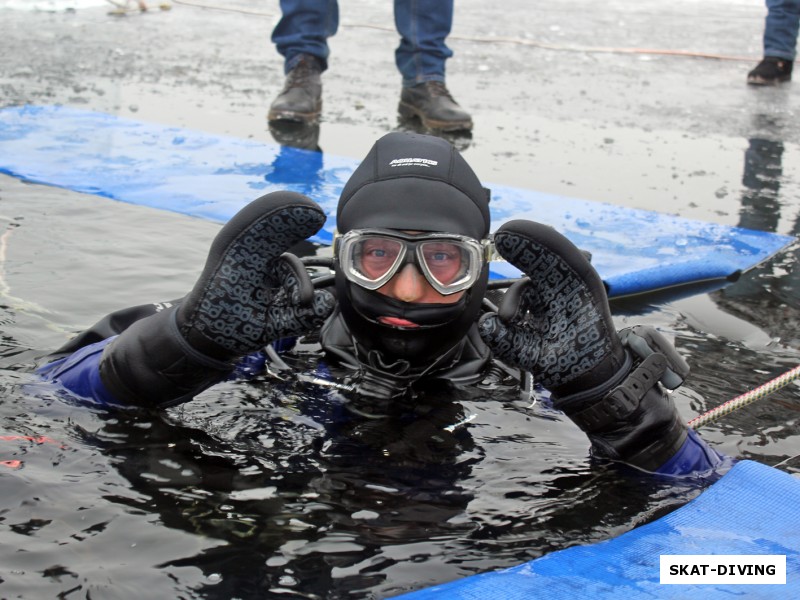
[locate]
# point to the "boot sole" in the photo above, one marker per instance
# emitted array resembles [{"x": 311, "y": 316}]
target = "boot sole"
[
  {"x": 763, "y": 82},
  {"x": 308, "y": 118},
  {"x": 407, "y": 111}
]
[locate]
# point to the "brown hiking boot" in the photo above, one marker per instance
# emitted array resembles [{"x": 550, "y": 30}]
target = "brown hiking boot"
[
  {"x": 301, "y": 97},
  {"x": 435, "y": 107}
]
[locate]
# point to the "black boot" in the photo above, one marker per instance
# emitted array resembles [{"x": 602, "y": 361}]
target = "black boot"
[
  {"x": 435, "y": 107},
  {"x": 771, "y": 71},
  {"x": 301, "y": 97}
]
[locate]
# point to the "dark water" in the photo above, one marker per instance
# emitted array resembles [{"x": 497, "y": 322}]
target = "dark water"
[{"x": 250, "y": 492}]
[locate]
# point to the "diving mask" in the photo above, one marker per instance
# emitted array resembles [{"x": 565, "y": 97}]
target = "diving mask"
[{"x": 451, "y": 263}]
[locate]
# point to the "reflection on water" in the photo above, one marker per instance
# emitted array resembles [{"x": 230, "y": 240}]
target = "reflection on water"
[
  {"x": 769, "y": 295},
  {"x": 294, "y": 134},
  {"x": 262, "y": 489},
  {"x": 290, "y": 134},
  {"x": 461, "y": 139}
]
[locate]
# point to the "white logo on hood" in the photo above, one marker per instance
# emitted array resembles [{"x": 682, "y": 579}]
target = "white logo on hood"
[{"x": 413, "y": 162}]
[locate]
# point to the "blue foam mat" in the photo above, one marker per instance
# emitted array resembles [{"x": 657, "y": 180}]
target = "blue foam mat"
[
  {"x": 212, "y": 177},
  {"x": 754, "y": 509}
]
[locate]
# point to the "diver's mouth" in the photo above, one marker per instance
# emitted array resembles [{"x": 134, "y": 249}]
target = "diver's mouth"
[{"x": 397, "y": 322}]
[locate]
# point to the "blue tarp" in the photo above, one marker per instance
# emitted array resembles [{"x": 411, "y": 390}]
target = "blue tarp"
[
  {"x": 212, "y": 177},
  {"x": 753, "y": 509}
]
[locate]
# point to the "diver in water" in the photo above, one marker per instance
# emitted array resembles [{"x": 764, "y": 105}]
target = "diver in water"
[{"x": 407, "y": 310}]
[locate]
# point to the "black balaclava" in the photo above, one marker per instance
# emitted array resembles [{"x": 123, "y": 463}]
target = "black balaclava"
[{"x": 411, "y": 182}]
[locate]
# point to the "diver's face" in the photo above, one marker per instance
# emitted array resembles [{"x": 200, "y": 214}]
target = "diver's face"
[
  {"x": 412, "y": 267},
  {"x": 410, "y": 285}
]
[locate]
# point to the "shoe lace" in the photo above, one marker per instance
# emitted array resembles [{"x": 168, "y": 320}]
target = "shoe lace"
[
  {"x": 438, "y": 88},
  {"x": 305, "y": 69}
]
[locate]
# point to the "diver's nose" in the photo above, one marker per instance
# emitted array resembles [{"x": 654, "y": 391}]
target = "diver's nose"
[{"x": 409, "y": 284}]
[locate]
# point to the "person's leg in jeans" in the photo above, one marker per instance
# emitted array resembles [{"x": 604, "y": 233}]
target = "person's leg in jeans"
[
  {"x": 301, "y": 37},
  {"x": 781, "y": 27},
  {"x": 780, "y": 43},
  {"x": 423, "y": 26}
]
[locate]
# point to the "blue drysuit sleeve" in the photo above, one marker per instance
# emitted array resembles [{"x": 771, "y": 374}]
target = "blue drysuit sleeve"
[
  {"x": 80, "y": 373},
  {"x": 695, "y": 456}
]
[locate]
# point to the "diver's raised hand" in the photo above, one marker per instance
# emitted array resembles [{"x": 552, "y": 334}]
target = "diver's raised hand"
[
  {"x": 555, "y": 323},
  {"x": 250, "y": 293}
]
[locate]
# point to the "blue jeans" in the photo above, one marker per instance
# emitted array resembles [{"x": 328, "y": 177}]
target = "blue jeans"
[
  {"x": 780, "y": 29},
  {"x": 423, "y": 25}
]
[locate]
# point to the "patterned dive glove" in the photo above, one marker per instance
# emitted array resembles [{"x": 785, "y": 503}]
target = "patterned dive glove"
[
  {"x": 250, "y": 293},
  {"x": 557, "y": 324}
]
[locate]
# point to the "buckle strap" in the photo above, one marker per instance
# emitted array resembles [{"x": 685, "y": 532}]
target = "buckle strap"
[
  {"x": 642, "y": 341},
  {"x": 624, "y": 399}
]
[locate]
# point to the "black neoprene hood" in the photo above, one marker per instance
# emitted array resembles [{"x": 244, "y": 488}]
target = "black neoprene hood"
[
  {"x": 411, "y": 182},
  {"x": 414, "y": 182}
]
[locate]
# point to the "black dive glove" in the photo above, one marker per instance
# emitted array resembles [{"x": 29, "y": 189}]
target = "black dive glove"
[
  {"x": 556, "y": 324},
  {"x": 249, "y": 294}
]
